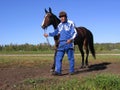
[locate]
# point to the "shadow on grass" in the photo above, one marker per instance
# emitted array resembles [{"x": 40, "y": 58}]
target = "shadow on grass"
[
  {"x": 100, "y": 66},
  {"x": 94, "y": 67}
]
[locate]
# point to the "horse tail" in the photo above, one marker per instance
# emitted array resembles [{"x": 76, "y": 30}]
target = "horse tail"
[{"x": 91, "y": 44}]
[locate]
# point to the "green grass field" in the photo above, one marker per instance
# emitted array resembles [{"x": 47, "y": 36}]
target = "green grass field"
[
  {"x": 105, "y": 81},
  {"x": 35, "y": 59}
]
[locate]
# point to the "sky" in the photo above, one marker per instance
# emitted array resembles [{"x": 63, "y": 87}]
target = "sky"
[{"x": 20, "y": 20}]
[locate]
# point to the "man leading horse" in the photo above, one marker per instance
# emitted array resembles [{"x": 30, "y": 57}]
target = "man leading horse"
[
  {"x": 67, "y": 33},
  {"x": 84, "y": 39}
]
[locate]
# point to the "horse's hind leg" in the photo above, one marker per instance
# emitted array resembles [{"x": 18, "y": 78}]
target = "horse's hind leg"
[{"x": 87, "y": 54}]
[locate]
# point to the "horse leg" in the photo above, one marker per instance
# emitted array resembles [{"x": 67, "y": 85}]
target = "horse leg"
[
  {"x": 87, "y": 54},
  {"x": 53, "y": 66},
  {"x": 82, "y": 54},
  {"x": 56, "y": 39},
  {"x": 87, "y": 51}
]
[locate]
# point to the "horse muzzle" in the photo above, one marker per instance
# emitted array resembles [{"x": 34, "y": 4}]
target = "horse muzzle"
[{"x": 43, "y": 27}]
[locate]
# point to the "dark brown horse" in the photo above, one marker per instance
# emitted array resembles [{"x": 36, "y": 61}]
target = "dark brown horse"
[{"x": 84, "y": 38}]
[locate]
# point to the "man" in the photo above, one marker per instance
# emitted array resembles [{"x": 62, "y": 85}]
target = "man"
[{"x": 67, "y": 32}]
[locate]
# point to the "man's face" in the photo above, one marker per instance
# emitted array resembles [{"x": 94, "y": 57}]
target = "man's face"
[{"x": 63, "y": 19}]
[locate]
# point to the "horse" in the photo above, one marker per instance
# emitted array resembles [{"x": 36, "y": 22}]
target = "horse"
[{"x": 84, "y": 39}]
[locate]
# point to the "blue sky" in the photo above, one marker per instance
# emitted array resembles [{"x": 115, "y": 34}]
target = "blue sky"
[{"x": 20, "y": 20}]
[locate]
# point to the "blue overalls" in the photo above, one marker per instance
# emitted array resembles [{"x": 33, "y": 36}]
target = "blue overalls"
[{"x": 67, "y": 31}]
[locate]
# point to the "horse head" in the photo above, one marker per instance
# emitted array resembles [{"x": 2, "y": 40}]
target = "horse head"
[
  {"x": 50, "y": 19},
  {"x": 47, "y": 21}
]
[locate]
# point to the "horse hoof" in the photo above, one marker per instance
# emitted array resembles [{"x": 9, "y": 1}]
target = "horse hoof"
[
  {"x": 52, "y": 70},
  {"x": 87, "y": 66},
  {"x": 82, "y": 67}
]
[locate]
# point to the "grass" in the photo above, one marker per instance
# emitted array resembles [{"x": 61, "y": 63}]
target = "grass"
[
  {"x": 106, "y": 81},
  {"x": 32, "y": 61},
  {"x": 27, "y": 52},
  {"x": 51, "y": 51},
  {"x": 24, "y": 61},
  {"x": 97, "y": 82}
]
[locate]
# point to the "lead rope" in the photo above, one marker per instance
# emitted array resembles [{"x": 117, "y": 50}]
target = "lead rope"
[{"x": 48, "y": 40}]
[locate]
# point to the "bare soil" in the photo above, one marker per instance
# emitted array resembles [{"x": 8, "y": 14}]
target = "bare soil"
[{"x": 15, "y": 75}]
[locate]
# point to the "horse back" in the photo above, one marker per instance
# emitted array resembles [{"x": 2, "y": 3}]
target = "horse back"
[
  {"x": 83, "y": 34},
  {"x": 83, "y": 31}
]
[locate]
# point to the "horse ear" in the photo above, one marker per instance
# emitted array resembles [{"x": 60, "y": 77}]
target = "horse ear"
[
  {"x": 46, "y": 11},
  {"x": 50, "y": 10}
]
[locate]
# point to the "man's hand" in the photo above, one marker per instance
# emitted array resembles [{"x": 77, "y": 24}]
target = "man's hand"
[
  {"x": 45, "y": 35},
  {"x": 69, "y": 41}
]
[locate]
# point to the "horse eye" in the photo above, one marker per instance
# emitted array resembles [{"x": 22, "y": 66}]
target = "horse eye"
[{"x": 50, "y": 16}]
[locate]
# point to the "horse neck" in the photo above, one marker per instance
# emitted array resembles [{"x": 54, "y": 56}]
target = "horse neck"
[{"x": 56, "y": 21}]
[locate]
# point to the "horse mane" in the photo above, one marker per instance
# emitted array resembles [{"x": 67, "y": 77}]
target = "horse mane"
[{"x": 56, "y": 21}]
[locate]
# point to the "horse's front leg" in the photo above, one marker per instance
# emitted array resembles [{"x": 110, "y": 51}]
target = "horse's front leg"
[
  {"x": 82, "y": 54},
  {"x": 56, "y": 39},
  {"x": 53, "y": 66}
]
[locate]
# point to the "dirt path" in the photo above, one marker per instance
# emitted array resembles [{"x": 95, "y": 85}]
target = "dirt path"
[{"x": 11, "y": 76}]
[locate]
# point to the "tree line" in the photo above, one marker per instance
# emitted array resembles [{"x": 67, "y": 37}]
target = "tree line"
[
  {"x": 25, "y": 47},
  {"x": 45, "y": 47}
]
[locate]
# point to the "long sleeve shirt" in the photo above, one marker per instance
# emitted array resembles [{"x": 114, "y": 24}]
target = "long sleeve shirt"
[{"x": 66, "y": 30}]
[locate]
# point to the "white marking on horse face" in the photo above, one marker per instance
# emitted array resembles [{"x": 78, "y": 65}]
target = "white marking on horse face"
[{"x": 44, "y": 20}]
